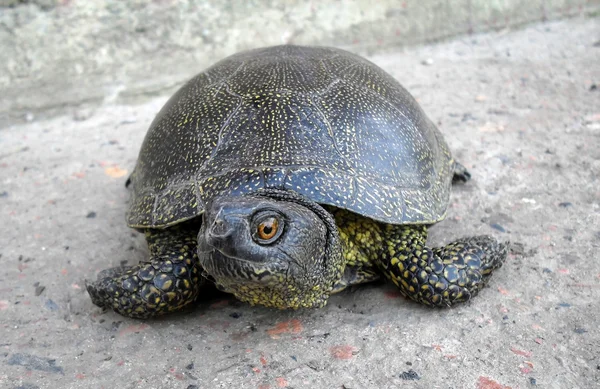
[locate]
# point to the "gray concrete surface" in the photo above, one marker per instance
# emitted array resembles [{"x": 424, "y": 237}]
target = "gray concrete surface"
[
  {"x": 126, "y": 50},
  {"x": 521, "y": 110}
]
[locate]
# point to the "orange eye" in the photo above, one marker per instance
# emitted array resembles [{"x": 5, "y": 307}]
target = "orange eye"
[{"x": 267, "y": 229}]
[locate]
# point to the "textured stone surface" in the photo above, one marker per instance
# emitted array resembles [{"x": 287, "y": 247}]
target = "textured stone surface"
[
  {"x": 520, "y": 110},
  {"x": 55, "y": 54}
]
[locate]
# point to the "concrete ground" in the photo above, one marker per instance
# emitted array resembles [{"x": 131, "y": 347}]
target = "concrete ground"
[{"x": 521, "y": 110}]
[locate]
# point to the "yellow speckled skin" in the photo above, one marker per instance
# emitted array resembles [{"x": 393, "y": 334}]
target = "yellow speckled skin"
[
  {"x": 325, "y": 142},
  {"x": 341, "y": 249},
  {"x": 168, "y": 281},
  {"x": 436, "y": 277},
  {"x": 361, "y": 241}
]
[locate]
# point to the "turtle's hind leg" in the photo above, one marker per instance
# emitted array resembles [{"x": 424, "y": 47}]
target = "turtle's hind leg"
[
  {"x": 442, "y": 276},
  {"x": 461, "y": 174},
  {"x": 168, "y": 281}
]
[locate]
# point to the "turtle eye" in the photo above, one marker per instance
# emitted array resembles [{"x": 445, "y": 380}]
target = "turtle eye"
[{"x": 268, "y": 228}]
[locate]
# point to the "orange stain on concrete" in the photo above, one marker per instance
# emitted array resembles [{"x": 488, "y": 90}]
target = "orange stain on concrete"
[
  {"x": 344, "y": 351},
  {"x": 133, "y": 329},
  {"x": 293, "y": 326},
  {"x": 520, "y": 352},
  {"x": 115, "y": 171},
  {"x": 487, "y": 383}
]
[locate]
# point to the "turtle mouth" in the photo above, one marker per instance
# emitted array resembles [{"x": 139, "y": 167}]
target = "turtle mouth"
[
  {"x": 269, "y": 284},
  {"x": 224, "y": 267}
]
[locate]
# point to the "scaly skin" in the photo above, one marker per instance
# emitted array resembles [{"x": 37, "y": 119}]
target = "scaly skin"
[
  {"x": 170, "y": 279},
  {"x": 442, "y": 276}
]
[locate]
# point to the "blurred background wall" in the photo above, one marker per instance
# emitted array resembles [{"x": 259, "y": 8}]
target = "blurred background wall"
[{"x": 56, "y": 54}]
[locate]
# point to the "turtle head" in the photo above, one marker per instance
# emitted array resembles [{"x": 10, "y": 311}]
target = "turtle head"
[{"x": 272, "y": 248}]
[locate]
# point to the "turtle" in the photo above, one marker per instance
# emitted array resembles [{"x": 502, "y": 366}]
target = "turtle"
[{"x": 285, "y": 174}]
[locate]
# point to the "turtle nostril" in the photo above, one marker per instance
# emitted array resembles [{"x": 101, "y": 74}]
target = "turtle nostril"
[
  {"x": 219, "y": 228},
  {"x": 219, "y": 234}
]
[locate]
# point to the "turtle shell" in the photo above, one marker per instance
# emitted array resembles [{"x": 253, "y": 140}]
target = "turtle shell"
[{"x": 319, "y": 121}]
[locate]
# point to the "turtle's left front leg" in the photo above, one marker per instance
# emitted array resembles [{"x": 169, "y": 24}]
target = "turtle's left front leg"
[
  {"x": 167, "y": 281},
  {"x": 442, "y": 276}
]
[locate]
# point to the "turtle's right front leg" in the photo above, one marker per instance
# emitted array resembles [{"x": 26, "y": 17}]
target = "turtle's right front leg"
[{"x": 170, "y": 279}]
